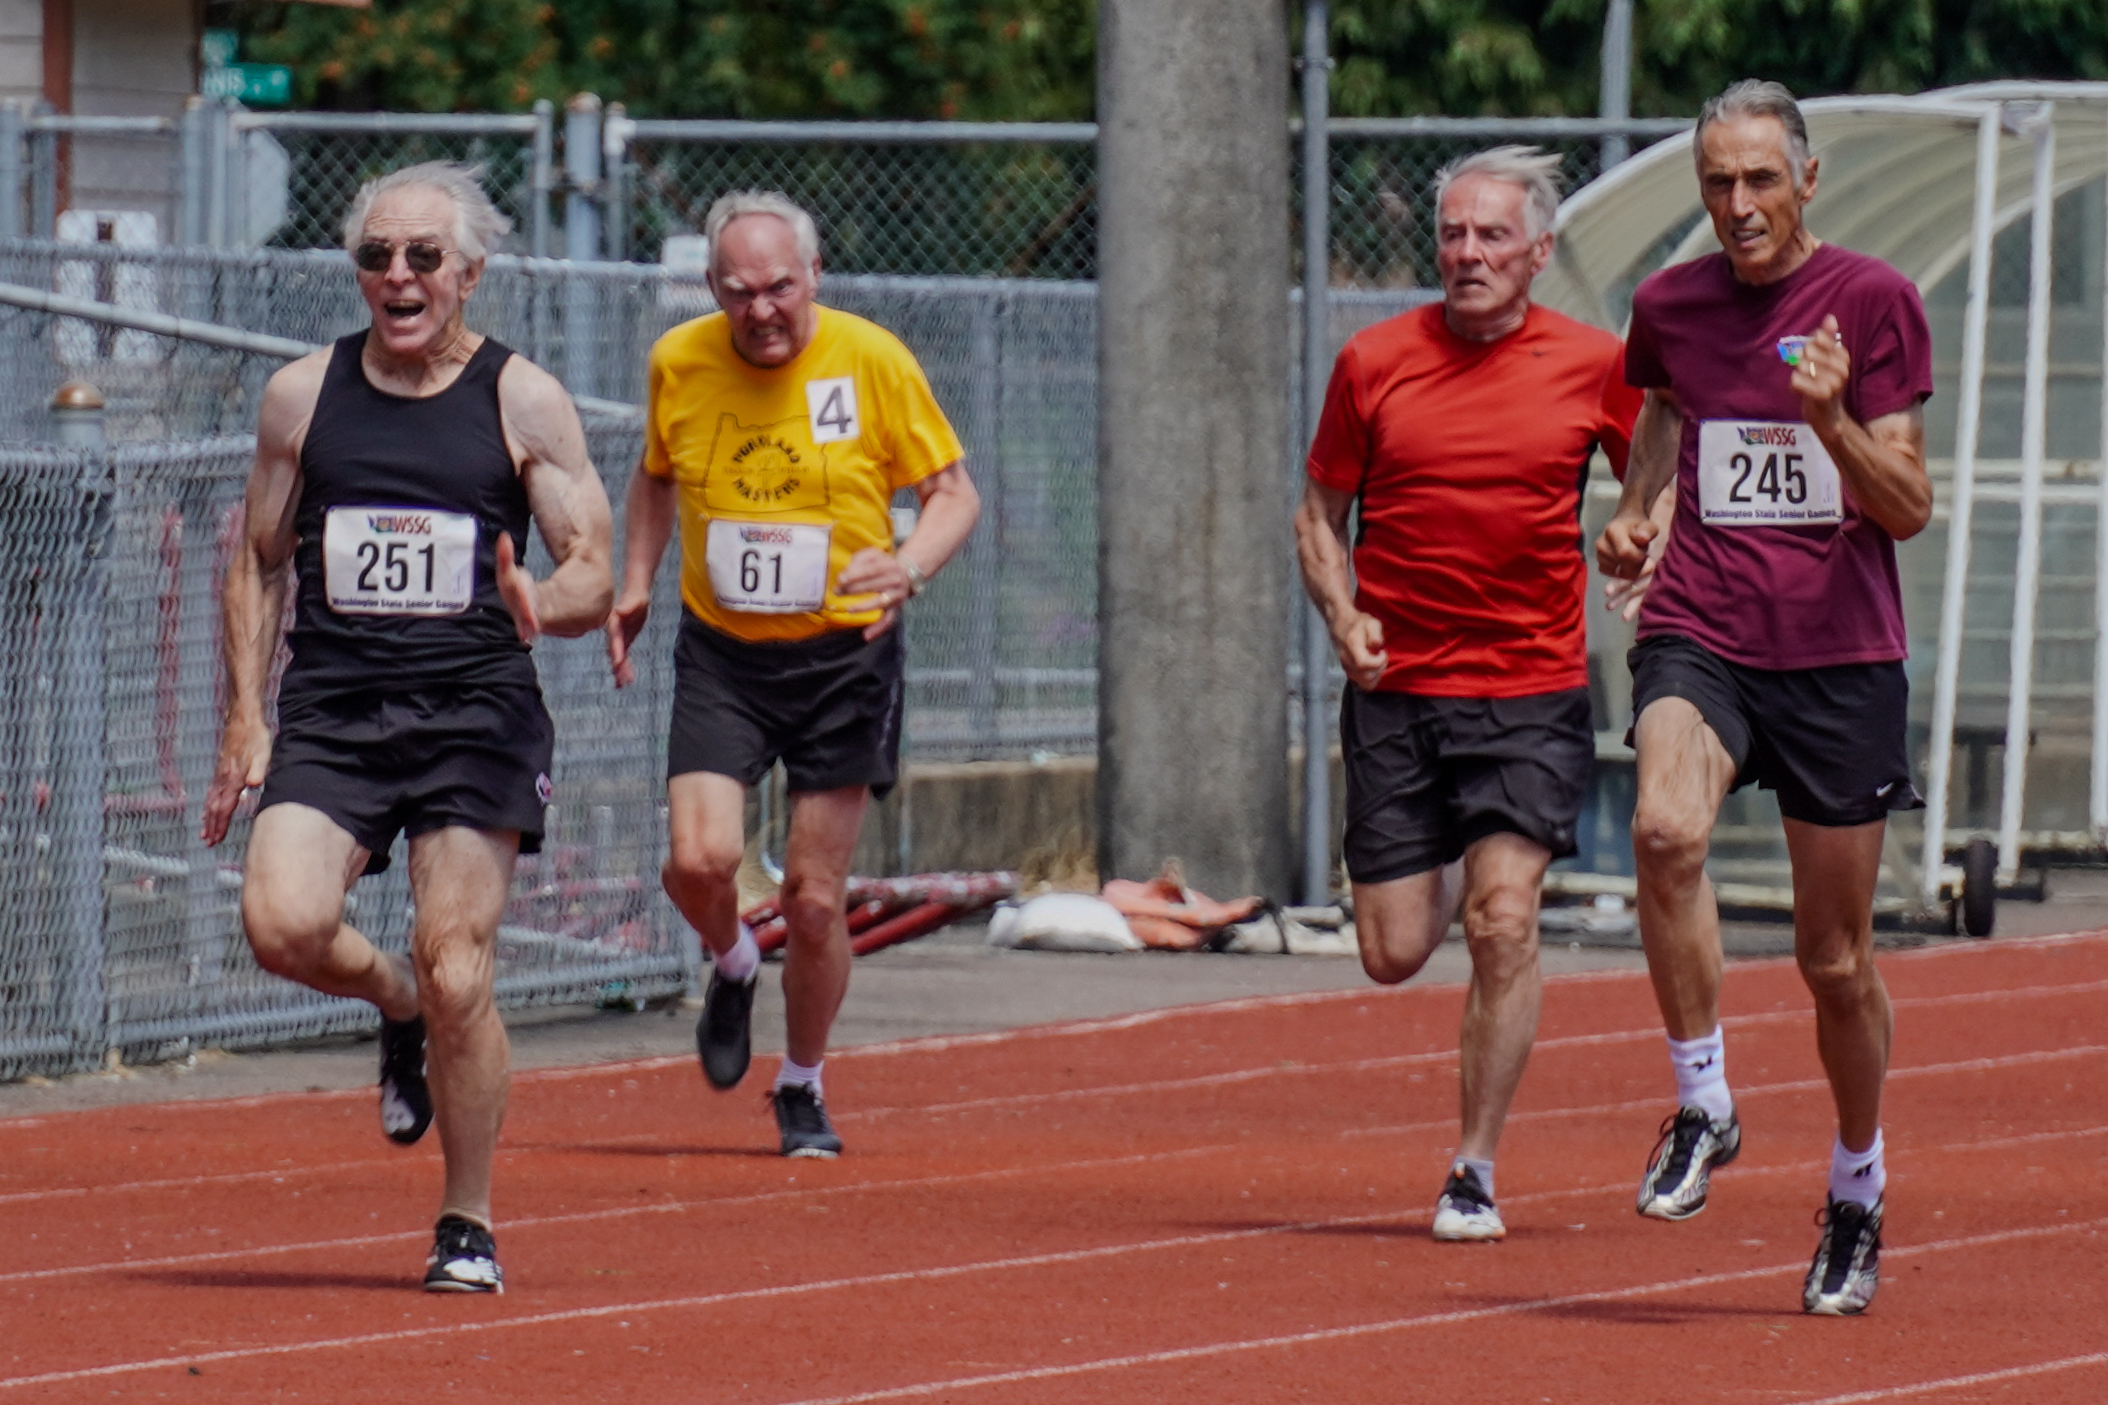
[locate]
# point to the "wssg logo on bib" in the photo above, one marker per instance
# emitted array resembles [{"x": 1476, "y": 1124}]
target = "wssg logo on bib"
[
  {"x": 765, "y": 536},
  {"x": 399, "y": 524},
  {"x": 1780, "y": 435}
]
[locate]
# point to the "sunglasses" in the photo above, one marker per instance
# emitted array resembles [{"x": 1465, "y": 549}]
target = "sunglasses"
[{"x": 375, "y": 255}]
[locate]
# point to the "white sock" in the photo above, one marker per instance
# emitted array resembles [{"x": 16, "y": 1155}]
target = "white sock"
[
  {"x": 1701, "y": 1075},
  {"x": 742, "y": 960},
  {"x": 1858, "y": 1176},
  {"x": 1483, "y": 1169},
  {"x": 792, "y": 1073}
]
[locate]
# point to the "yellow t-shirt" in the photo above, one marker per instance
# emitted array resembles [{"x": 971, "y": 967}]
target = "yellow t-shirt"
[{"x": 785, "y": 473}]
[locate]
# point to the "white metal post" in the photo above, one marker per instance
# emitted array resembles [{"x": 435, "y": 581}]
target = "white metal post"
[
  {"x": 2098, "y": 810},
  {"x": 1614, "y": 96},
  {"x": 1968, "y": 429},
  {"x": 1317, "y": 365},
  {"x": 2027, "y": 570}
]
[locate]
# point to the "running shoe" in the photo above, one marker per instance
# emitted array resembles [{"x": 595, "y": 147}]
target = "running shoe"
[
  {"x": 1691, "y": 1146},
  {"x": 464, "y": 1259},
  {"x": 1465, "y": 1213},
  {"x": 406, "y": 1103},
  {"x": 1847, "y": 1267},
  {"x": 723, "y": 1035},
  {"x": 802, "y": 1118}
]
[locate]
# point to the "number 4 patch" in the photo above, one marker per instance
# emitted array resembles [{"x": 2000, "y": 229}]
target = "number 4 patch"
[{"x": 832, "y": 407}]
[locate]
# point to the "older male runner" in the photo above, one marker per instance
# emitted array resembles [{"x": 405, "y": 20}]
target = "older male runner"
[
  {"x": 1784, "y": 379},
  {"x": 1463, "y": 432},
  {"x": 397, "y": 472},
  {"x": 778, "y": 431}
]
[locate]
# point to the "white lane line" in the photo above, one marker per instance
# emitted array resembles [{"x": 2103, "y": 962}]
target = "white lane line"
[
  {"x": 2011, "y": 1373},
  {"x": 1027, "y": 1261},
  {"x": 680, "y": 1206},
  {"x": 1073, "y": 1028},
  {"x": 1230, "y": 1077}
]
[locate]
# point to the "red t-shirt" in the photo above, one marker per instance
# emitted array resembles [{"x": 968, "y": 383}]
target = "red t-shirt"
[
  {"x": 1469, "y": 458},
  {"x": 1771, "y": 593}
]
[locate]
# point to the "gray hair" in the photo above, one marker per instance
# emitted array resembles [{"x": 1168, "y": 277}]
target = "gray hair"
[
  {"x": 1536, "y": 172},
  {"x": 478, "y": 224},
  {"x": 1759, "y": 97},
  {"x": 763, "y": 202}
]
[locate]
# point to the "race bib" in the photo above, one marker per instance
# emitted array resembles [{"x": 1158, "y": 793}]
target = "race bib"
[
  {"x": 1765, "y": 473},
  {"x": 768, "y": 568},
  {"x": 398, "y": 561}
]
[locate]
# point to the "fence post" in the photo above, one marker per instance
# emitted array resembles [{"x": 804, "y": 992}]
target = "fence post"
[
  {"x": 1317, "y": 366},
  {"x": 1614, "y": 96},
  {"x": 44, "y": 176},
  {"x": 218, "y": 219},
  {"x": 10, "y": 170},
  {"x": 583, "y": 189},
  {"x": 614, "y": 164},
  {"x": 985, "y": 563},
  {"x": 543, "y": 179},
  {"x": 191, "y": 200},
  {"x": 79, "y": 772}
]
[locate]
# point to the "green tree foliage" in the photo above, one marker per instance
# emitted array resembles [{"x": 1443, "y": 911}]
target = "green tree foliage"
[
  {"x": 1020, "y": 59},
  {"x": 966, "y": 59}
]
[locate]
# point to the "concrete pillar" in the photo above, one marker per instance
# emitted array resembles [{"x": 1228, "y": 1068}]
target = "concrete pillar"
[{"x": 1192, "y": 406}]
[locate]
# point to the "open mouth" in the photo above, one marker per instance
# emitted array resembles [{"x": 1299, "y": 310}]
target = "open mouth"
[{"x": 402, "y": 309}]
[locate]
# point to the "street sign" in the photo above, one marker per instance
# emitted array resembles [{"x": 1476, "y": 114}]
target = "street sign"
[{"x": 252, "y": 84}]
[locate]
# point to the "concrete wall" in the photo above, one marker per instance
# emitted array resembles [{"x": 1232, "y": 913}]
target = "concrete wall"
[{"x": 131, "y": 58}]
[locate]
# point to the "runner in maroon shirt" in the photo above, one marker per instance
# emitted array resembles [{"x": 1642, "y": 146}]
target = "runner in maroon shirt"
[
  {"x": 1784, "y": 379},
  {"x": 1463, "y": 432}
]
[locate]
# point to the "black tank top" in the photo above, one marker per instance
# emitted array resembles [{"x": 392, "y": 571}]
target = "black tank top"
[{"x": 392, "y": 489}]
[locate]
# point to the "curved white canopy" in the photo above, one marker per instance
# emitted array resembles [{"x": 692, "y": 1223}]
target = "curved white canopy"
[{"x": 1897, "y": 181}]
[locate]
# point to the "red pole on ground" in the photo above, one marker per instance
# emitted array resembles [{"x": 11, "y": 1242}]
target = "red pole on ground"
[{"x": 915, "y": 922}]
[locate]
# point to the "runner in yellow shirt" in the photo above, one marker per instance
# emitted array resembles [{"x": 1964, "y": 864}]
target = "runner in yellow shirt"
[{"x": 777, "y": 432}]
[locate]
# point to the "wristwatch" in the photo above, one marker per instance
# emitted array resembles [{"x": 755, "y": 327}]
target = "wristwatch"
[{"x": 916, "y": 579}]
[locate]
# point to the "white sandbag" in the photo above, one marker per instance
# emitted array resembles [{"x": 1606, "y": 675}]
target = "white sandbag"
[
  {"x": 1061, "y": 922},
  {"x": 1278, "y": 934}
]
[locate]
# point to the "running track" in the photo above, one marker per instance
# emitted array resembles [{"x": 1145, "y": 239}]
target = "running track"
[{"x": 1223, "y": 1203}]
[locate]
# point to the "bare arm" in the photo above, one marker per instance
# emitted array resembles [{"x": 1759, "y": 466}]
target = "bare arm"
[
  {"x": 569, "y": 504},
  {"x": 1322, "y": 548},
  {"x": 950, "y": 507},
  {"x": 1622, "y": 549},
  {"x": 252, "y": 599},
  {"x": 1883, "y": 463},
  {"x": 648, "y": 520}
]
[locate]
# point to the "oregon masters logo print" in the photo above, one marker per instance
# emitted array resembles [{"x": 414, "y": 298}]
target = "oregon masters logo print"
[{"x": 764, "y": 468}]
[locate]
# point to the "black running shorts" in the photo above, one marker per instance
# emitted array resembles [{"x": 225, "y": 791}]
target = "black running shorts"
[
  {"x": 828, "y": 708},
  {"x": 383, "y": 763},
  {"x": 1829, "y": 740},
  {"x": 1429, "y": 777}
]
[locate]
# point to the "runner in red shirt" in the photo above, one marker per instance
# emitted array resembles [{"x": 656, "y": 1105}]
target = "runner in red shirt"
[
  {"x": 1784, "y": 379},
  {"x": 1463, "y": 432}
]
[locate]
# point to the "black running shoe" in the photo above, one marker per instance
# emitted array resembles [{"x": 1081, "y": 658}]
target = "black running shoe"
[
  {"x": 464, "y": 1259},
  {"x": 1692, "y": 1145},
  {"x": 802, "y": 1118},
  {"x": 723, "y": 1035},
  {"x": 1847, "y": 1267},
  {"x": 406, "y": 1103}
]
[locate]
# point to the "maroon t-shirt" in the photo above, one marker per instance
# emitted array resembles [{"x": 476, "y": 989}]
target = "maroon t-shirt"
[{"x": 1773, "y": 565}]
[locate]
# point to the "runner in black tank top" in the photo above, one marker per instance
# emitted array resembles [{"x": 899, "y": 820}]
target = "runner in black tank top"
[
  {"x": 397, "y": 474},
  {"x": 368, "y": 449}
]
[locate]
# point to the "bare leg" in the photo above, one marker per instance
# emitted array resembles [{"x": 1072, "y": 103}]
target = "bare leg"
[
  {"x": 1399, "y": 923},
  {"x": 823, "y": 830},
  {"x": 1834, "y": 873},
  {"x": 1684, "y": 774},
  {"x": 299, "y": 866},
  {"x": 459, "y": 878},
  {"x": 1503, "y": 877},
  {"x": 706, "y": 820}
]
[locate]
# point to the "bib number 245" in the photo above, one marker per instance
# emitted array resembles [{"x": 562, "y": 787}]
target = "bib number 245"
[{"x": 1760, "y": 473}]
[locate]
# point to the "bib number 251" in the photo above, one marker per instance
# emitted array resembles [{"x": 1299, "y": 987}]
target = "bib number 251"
[
  {"x": 1759, "y": 473},
  {"x": 398, "y": 561}
]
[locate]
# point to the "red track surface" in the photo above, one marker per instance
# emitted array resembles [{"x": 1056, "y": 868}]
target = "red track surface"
[{"x": 1221, "y": 1204}]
